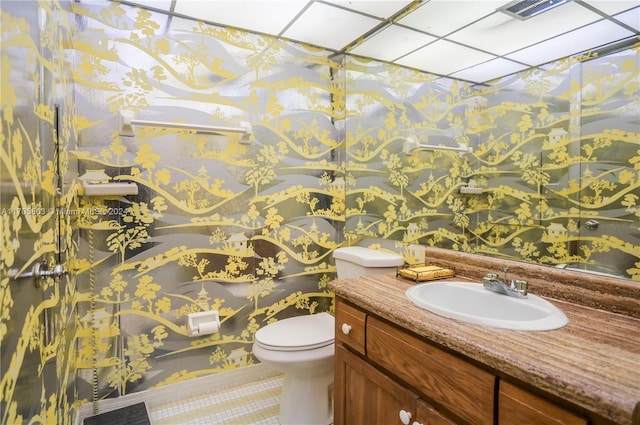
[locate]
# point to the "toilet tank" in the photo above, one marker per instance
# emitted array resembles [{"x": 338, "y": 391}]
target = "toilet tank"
[{"x": 353, "y": 261}]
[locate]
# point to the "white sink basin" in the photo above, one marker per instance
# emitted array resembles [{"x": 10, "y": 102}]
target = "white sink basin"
[{"x": 471, "y": 303}]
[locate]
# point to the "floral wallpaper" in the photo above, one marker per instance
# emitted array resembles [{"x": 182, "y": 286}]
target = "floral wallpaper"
[
  {"x": 37, "y": 190},
  {"x": 244, "y": 227},
  {"x": 247, "y": 226},
  {"x": 555, "y": 158}
]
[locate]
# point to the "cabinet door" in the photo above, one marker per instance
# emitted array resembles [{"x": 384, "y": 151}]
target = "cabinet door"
[
  {"x": 448, "y": 381},
  {"x": 364, "y": 395},
  {"x": 519, "y": 407},
  {"x": 428, "y": 415}
]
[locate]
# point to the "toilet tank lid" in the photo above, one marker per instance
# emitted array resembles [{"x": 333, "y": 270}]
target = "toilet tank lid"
[{"x": 368, "y": 257}]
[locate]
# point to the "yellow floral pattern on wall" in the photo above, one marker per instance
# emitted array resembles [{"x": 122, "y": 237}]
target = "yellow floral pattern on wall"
[
  {"x": 219, "y": 224},
  {"x": 555, "y": 154},
  {"x": 249, "y": 229},
  {"x": 37, "y": 324}
]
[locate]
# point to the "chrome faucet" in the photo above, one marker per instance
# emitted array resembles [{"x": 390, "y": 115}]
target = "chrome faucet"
[{"x": 517, "y": 288}]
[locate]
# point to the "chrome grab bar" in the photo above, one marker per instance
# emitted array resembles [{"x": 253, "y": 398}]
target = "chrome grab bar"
[{"x": 39, "y": 271}]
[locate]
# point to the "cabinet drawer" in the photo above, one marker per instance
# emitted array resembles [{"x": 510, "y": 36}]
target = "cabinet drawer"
[
  {"x": 519, "y": 407},
  {"x": 462, "y": 389},
  {"x": 350, "y": 322}
]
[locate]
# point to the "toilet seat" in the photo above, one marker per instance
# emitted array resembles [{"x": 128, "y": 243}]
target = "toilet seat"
[{"x": 297, "y": 333}]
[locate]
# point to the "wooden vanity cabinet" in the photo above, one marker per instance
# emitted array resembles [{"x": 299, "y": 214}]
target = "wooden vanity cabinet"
[
  {"x": 364, "y": 394},
  {"x": 350, "y": 326},
  {"x": 517, "y": 406},
  {"x": 428, "y": 415},
  {"x": 386, "y": 375},
  {"x": 451, "y": 383}
]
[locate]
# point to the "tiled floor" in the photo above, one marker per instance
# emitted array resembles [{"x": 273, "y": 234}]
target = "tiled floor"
[
  {"x": 247, "y": 396},
  {"x": 255, "y": 403}
]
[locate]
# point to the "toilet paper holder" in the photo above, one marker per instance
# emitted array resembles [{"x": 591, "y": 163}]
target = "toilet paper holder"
[{"x": 203, "y": 323}]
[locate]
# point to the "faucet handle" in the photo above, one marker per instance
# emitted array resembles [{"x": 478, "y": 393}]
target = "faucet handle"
[
  {"x": 521, "y": 286},
  {"x": 489, "y": 278}
]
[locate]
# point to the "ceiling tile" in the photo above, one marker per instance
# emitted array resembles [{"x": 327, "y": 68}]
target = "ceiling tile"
[
  {"x": 591, "y": 36},
  {"x": 441, "y": 17},
  {"x": 502, "y": 34},
  {"x": 490, "y": 70},
  {"x": 391, "y": 43},
  {"x": 611, "y": 7},
  {"x": 444, "y": 57},
  {"x": 267, "y": 17},
  {"x": 330, "y": 27},
  {"x": 378, "y": 8},
  {"x": 631, "y": 18},
  {"x": 433, "y": 36}
]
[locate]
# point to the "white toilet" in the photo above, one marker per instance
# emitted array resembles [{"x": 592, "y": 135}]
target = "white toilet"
[
  {"x": 303, "y": 347},
  {"x": 353, "y": 261}
]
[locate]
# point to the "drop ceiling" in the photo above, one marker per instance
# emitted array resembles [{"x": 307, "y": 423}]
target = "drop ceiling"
[{"x": 471, "y": 40}]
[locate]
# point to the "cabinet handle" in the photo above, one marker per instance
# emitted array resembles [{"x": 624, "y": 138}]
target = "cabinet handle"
[
  {"x": 346, "y": 329},
  {"x": 405, "y": 417}
]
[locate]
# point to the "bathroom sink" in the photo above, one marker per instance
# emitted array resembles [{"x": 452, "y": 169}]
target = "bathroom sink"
[{"x": 472, "y": 303}]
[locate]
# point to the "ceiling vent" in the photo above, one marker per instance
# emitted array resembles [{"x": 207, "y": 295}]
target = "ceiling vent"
[{"x": 525, "y": 9}]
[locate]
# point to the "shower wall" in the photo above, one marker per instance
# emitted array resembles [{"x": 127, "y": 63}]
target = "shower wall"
[
  {"x": 220, "y": 223},
  {"x": 37, "y": 323}
]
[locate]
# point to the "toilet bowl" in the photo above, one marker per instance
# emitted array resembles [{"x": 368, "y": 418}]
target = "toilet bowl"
[{"x": 302, "y": 348}]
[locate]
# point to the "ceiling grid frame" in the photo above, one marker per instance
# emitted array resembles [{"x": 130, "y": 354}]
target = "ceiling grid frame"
[{"x": 382, "y": 25}]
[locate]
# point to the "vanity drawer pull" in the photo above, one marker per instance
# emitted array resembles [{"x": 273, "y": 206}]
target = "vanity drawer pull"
[
  {"x": 405, "y": 417},
  {"x": 346, "y": 329}
]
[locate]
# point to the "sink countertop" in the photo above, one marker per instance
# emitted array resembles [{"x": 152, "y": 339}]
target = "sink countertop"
[{"x": 593, "y": 362}]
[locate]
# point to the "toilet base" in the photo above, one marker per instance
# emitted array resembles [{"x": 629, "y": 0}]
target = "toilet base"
[
  {"x": 307, "y": 400},
  {"x": 303, "y": 349}
]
